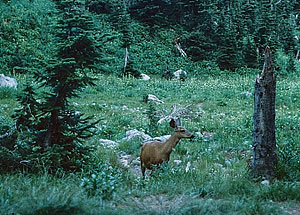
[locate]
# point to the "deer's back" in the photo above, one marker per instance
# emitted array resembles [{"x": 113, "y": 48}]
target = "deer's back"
[{"x": 152, "y": 153}]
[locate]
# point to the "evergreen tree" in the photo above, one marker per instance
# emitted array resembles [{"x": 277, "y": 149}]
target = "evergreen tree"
[
  {"x": 249, "y": 53},
  {"x": 26, "y": 115},
  {"x": 152, "y": 12},
  {"x": 286, "y": 34},
  {"x": 265, "y": 27},
  {"x": 123, "y": 23},
  {"x": 227, "y": 41},
  {"x": 59, "y": 131}
]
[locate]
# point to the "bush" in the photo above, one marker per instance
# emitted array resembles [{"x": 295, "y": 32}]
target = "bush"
[{"x": 102, "y": 181}]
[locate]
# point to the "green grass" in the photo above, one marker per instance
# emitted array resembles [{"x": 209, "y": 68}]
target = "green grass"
[{"x": 218, "y": 181}]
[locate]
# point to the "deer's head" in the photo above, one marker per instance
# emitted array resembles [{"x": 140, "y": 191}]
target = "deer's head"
[{"x": 181, "y": 132}]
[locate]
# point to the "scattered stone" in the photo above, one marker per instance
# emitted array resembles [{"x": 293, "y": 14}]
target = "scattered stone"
[
  {"x": 265, "y": 182},
  {"x": 228, "y": 163},
  {"x": 207, "y": 135},
  {"x": 162, "y": 138},
  {"x": 154, "y": 99},
  {"x": 145, "y": 77},
  {"x": 124, "y": 107},
  {"x": 125, "y": 160},
  {"x": 199, "y": 134},
  {"x": 136, "y": 162},
  {"x": 188, "y": 165},
  {"x": 177, "y": 162},
  {"x": 179, "y": 74},
  {"x": 136, "y": 135},
  {"x": 8, "y": 82},
  {"x": 108, "y": 143},
  {"x": 247, "y": 94}
]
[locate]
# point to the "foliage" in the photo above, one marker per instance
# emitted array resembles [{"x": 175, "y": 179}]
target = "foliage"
[
  {"x": 104, "y": 181},
  {"x": 51, "y": 133},
  {"x": 26, "y": 34},
  {"x": 217, "y": 181},
  {"x": 153, "y": 118},
  {"x": 288, "y": 166}
]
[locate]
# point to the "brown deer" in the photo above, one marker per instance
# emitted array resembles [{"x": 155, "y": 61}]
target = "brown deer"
[{"x": 155, "y": 153}]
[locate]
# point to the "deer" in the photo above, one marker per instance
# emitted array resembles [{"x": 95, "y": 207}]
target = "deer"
[{"x": 156, "y": 152}]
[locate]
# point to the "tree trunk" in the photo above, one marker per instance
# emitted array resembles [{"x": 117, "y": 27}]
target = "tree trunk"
[
  {"x": 126, "y": 57},
  {"x": 264, "y": 143}
]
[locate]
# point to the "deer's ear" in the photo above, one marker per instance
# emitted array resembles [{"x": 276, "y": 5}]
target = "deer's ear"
[
  {"x": 178, "y": 123},
  {"x": 172, "y": 123}
]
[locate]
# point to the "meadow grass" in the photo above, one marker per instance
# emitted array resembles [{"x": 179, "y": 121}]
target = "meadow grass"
[{"x": 217, "y": 181}]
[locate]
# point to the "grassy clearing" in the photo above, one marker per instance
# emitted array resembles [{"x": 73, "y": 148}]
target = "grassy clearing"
[{"x": 217, "y": 181}]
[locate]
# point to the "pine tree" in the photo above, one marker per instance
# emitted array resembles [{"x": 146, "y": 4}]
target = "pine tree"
[
  {"x": 227, "y": 41},
  {"x": 265, "y": 27},
  {"x": 249, "y": 53},
  {"x": 123, "y": 23},
  {"x": 59, "y": 131},
  {"x": 152, "y": 12},
  {"x": 286, "y": 34}
]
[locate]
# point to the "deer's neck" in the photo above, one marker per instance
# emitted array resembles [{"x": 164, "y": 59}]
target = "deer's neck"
[{"x": 171, "y": 143}]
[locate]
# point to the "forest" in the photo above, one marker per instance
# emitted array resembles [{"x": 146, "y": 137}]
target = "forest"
[{"x": 95, "y": 82}]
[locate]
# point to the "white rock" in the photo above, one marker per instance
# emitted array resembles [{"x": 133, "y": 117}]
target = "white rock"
[
  {"x": 135, "y": 134},
  {"x": 179, "y": 73},
  {"x": 199, "y": 134},
  {"x": 265, "y": 182},
  {"x": 124, "y": 107},
  {"x": 136, "y": 162},
  {"x": 108, "y": 143},
  {"x": 188, "y": 165},
  {"x": 125, "y": 163},
  {"x": 177, "y": 162},
  {"x": 8, "y": 82},
  {"x": 247, "y": 94},
  {"x": 160, "y": 139},
  {"x": 145, "y": 77},
  {"x": 154, "y": 99}
]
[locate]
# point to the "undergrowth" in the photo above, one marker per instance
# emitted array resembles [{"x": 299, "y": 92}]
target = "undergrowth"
[{"x": 211, "y": 177}]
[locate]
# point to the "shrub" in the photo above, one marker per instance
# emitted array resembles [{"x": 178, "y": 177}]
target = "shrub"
[{"x": 102, "y": 181}]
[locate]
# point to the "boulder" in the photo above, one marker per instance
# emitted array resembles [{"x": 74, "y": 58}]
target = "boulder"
[
  {"x": 180, "y": 74},
  {"x": 124, "y": 159},
  {"x": 8, "y": 82},
  {"x": 160, "y": 139},
  {"x": 134, "y": 134},
  {"x": 145, "y": 77},
  {"x": 108, "y": 143}
]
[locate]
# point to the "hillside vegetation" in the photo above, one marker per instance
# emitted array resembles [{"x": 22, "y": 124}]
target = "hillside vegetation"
[{"x": 209, "y": 175}]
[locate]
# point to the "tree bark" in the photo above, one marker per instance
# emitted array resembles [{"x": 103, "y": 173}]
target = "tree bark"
[
  {"x": 126, "y": 57},
  {"x": 264, "y": 142}
]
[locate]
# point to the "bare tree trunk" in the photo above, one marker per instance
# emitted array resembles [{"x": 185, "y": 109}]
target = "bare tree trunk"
[
  {"x": 126, "y": 57},
  {"x": 264, "y": 143}
]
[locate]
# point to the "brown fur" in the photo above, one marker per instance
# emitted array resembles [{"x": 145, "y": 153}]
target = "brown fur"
[{"x": 155, "y": 153}]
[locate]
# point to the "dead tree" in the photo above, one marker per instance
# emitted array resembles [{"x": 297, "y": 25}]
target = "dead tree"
[{"x": 265, "y": 155}]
